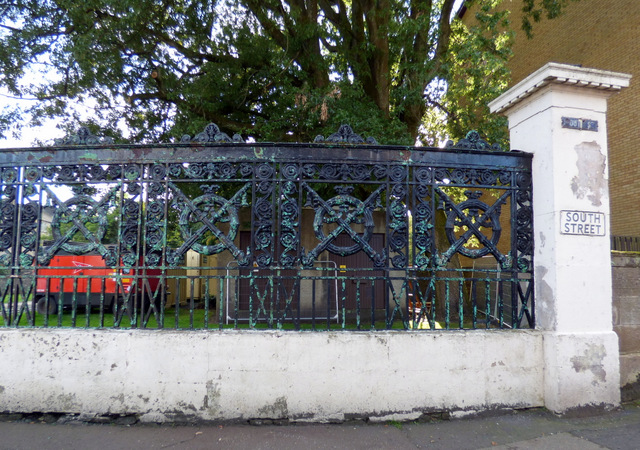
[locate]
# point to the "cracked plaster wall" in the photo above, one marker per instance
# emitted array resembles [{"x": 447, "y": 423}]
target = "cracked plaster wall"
[{"x": 168, "y": 375}]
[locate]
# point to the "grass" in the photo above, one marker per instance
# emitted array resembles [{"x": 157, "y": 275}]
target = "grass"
[{"x": 185, "y": 319}]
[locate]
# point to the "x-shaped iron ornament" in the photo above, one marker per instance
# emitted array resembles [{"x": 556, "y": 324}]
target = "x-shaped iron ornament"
[
  {"x": 62, "y": 242},
  {"x": 343, "y": 225},
  {"x": 474, "y": 228},
  {"x": 208, "y": 224}
]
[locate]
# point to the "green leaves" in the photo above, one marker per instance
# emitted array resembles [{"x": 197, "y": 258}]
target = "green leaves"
[{"x": 150, "y": 70}]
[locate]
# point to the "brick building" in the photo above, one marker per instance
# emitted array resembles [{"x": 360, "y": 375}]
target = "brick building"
[{"x": 603, "y": 34}]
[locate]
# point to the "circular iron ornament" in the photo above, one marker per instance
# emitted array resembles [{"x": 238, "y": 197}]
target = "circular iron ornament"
[
  {"x": 422, "y": 211},
  {"x": 379, "y": 172},
  {"x": 77, "y": 209},
  {"x": 488, "y": 177},
  {"x": 32, "y": 174},
  {"x": 264, "y": 187},
  {"x": 155, "y": 208},
  {"x": 422, "y": 242},
  {"x": 129, "y": 237},
  {"x": 290, "y": 171},
  {"x": 289, "y": 239},
  {"x": 422, "y": 190},
  {"x": 523, "y": 197},
  {"x": 194, "y": 170},
  {"x": 114, "y": 172},
  {"x": 524, "y": 216},
  {"x": 523, "y": 180},
  {"x": 423, "y": 175},
  {"x": 359, "y": 172},
  {"x": 505, "y": 178},
  {"x": 399, "y": 261},
  {"x": 158, "y": 171},
  {"x": 246, "y": 170},
  {"x": 130, "y": 210},
  {"x": 67, "y": 173},
  {"x": 309, "y": 170},
  {"x": 398, "y": 241},
  {"x": 398, "y": 173},
  {"x": 290, "y": 210},
  {"x": 263, "y": 260},
  {"x": 175, "y": 170},
  {"x": 263, "y": 208},
  {"x": 29, "y": 212},
  {"x": 97, "y": 173},
  {"x": 264, "y": 171},
  {"x": 7, "y": 210},
  {"x": 134, "y": 189},
  {"x": 9, "y": 191},
  {"x": 49, "y": 171},
  {"x": 209, "y": 205},
  {"x": 329, "y": 171},
  {"x": 525, "y": 245},
  {"x": 156, "y": 189},
  {"x": 344, "y": 205},
  {"x": 289, "y": 188},
  {"x": 6, "y": 240},
  {"x": 459, "y": 176},
  {"x": 154, "y": 236},
  {"x": 476, "y": 207},
  {"x": 442, "y": 174},
  {"x": 28, "y": 240},
  {"x": 262, "y": 240},
  {"x": 226, "y": 170},
  {"x": 152, "y": 259},
  {"x": 9, "y": 175},
  {"x": 132, "y": 172}
]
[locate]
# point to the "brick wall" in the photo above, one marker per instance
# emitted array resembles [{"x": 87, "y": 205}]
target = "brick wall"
[{"x": 603, "y": 34}]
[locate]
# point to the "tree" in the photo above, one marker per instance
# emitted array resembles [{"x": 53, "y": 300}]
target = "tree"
[{"x": 275, "y": 69}]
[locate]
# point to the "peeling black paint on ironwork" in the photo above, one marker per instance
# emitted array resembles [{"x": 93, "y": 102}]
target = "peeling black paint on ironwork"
[{"x": 197, "y": 189}]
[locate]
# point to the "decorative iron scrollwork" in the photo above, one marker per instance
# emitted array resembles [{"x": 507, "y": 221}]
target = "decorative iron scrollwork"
[
  {"x": 84, "y": 137},
  {"x": 345, "y": 135},
  {"x": 211, "y": 134},
  {"x": 474, "y": 142}
]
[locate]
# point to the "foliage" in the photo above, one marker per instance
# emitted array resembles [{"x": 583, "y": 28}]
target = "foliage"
[
  {"x": 535, "y": 10},
  {"x": 273, "y": 69}
]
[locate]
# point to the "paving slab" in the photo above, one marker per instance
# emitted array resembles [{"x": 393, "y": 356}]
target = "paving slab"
[{"x": 524, "y": 429}]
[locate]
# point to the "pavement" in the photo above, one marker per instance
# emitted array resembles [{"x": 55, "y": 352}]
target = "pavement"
[{"x": 523, "y": 429}]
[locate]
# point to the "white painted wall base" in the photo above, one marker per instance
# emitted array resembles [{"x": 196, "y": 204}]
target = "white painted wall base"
[
  {"x": 582, "y": 370},
  {"x": 323, "y": 376}
]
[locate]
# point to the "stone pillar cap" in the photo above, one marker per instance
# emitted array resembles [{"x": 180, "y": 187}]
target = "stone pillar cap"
[{"x": 565, "y": 74}]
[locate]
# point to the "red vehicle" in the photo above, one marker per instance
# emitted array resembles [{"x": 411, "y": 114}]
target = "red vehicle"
[{"x": 92, "y": 283}]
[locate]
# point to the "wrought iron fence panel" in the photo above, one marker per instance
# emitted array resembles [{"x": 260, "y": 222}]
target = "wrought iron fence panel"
[{"x": 286, "y": 236}]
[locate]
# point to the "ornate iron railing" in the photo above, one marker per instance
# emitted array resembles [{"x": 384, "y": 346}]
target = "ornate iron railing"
[{"x": 215, "y": 233}]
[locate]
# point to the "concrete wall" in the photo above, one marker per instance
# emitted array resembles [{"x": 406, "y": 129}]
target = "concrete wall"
[
  {"x": 626, "y": 321},
  {"x": 170, "y": 375}
]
